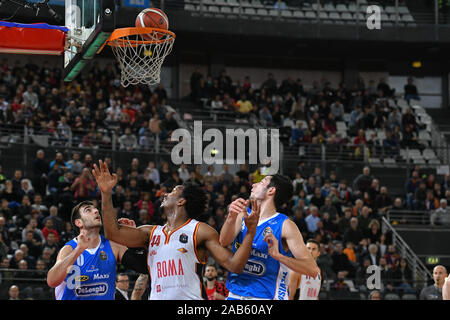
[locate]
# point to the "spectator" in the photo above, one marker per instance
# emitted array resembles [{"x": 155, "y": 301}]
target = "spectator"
[
  {"x": 297, "y": 134},
  {"x": 312, "y": 219},
  {"x": 344, "y": 221},
  {"x": 341, "y": 264},
  {"x": 215, "y": 290},
  {"x": 75, "y": 165},
  {"x": 374, "y": 295},
  {"x": 122, "y": 286},
  {"x": 374, "y": 232},
  {"x": 353, "y": 234},
  {"x": 40, "y": 171},
  {"x": 364, "y": 220},
  {"x": 362, "y": 182},
  {"x": 440, "y": 216},
  {"x": 83, "y": 186},
  {"x": 410, "y": 91},
  {"x": 328, "y": 207},
  {"x": 154, "y": 173},
  {"x": 402, "y": 277},
  {"x": 244, "y": 105},
  {"x": 373, "y": 255},
  {"x": 128, "y": 141},
  {"x": 431, "y": 203},
  {"x": 434, "y": 292},
  {"x": 337, "y": 109},
  {"x": 14, "y": 293},
  {"x": 383, "y": 201},
  {"x": 49, "y": 229},
  {"x": 317, "y": 199},
  {"x": 3, "y": 248},
  {"x": 394, "y": 119}
]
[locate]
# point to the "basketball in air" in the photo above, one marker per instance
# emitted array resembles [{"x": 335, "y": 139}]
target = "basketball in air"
[{"x": 152, "y": 18}]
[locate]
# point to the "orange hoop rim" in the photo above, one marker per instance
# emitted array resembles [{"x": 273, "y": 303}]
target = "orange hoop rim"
[{"x": 121, "y": 33}]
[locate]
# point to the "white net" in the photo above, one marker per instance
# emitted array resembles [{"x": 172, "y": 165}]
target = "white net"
[{"x": 141, "y": 56}]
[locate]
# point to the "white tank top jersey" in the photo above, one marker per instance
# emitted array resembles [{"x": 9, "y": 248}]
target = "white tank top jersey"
[
  {"x": 309, "y": 287},
  {"x": 175, "y": 269}
]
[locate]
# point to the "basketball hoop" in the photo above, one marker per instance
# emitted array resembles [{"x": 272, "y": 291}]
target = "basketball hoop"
[{"x": 141, "y": 53}]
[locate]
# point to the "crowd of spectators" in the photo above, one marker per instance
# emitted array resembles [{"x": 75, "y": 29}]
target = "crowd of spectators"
[
  {"x": 86, "y": 112},
  {"x": 344, "y": 216},
  {"x": 310, "y": 117}
]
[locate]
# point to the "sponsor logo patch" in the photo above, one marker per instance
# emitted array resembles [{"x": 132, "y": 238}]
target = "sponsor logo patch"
[
  {"x": 256, "y": 268},
  {"x": 101, "y": 276},
  {"x": 183, "y": 238},
  {"x": 103, "y": 255},
  {"x": 97, "y": 289},
  {"x": 182, "y": 250},
  {"x": 82, "y": 278}
]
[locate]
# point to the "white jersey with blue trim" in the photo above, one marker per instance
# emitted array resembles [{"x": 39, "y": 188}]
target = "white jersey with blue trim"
[
  {"x": 263, "y": 277},
  {"x": 92, "y": 276}
]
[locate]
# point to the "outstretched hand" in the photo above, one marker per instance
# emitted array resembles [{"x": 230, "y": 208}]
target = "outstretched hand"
[
  {"x": 251, "y": 220},
  {"x": 103, "y": 177}
]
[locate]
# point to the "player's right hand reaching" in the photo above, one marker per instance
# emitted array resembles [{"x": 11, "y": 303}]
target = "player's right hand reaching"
[
  {"x": 251, "y": 220},
  {"x": 105, "y": 180},
  {"x": 236, "y": 207},
  {"x": 83, "y": 240}
]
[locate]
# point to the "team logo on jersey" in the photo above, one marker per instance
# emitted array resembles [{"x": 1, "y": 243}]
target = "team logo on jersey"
[
  {"x": 256, "y": 268},
  {"x": 182, "y": 250},
  {"x": 267, "y": 231},
  {"x": 183, "y": 238},
  {"x": 103, "y": 255},
  {"x": 82, "y": 278},
  {"x": 97, "y": 289},
  {"x": 92, "y": 268}
]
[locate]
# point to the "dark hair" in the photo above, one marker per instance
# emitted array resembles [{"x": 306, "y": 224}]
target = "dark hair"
[
  {"x": 195, "y": 198},
  {"x": 314, "y": 241},
  {"x": 120, "y": 275},
  {"x": 76, "y": 213},
  {"x": 284, "y": 189}
]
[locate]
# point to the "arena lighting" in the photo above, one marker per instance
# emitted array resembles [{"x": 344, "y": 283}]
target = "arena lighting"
[
  {"x": 214, "y": 152},
  {"x": 417, "y": 64}
]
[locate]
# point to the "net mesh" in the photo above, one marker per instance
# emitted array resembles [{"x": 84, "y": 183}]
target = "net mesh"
[{"x": 141, "y": 56}]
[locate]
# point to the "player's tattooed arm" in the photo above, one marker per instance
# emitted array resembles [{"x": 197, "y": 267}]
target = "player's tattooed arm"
[{"x": 139, "y": 287}]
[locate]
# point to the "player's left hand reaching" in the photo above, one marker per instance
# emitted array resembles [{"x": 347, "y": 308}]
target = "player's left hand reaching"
[
  {"x": 272, "y": 243},
  {"x": 105, "y": 180},
  {"x": 251, "y": 220}
]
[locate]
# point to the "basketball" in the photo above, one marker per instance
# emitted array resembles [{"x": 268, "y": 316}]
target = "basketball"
[{"x": 152, "y": 18}]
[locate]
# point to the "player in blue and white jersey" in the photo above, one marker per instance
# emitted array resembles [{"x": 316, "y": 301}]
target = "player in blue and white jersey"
[
  {"x": 278, "y": 245},
  {"x": 85, "y": 268}
]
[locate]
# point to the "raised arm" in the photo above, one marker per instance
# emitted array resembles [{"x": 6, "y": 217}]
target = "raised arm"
[
  {"x": 121, "y": 234},
  {"x": 237, "y": 261},
  {"x": 302, "y": 262},
  {"x": 65, "y": 260},
  {"x": 232, "y": 224}
]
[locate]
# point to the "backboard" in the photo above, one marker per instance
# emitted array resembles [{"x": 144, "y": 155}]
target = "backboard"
[{"x": 90, "y": 23}]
